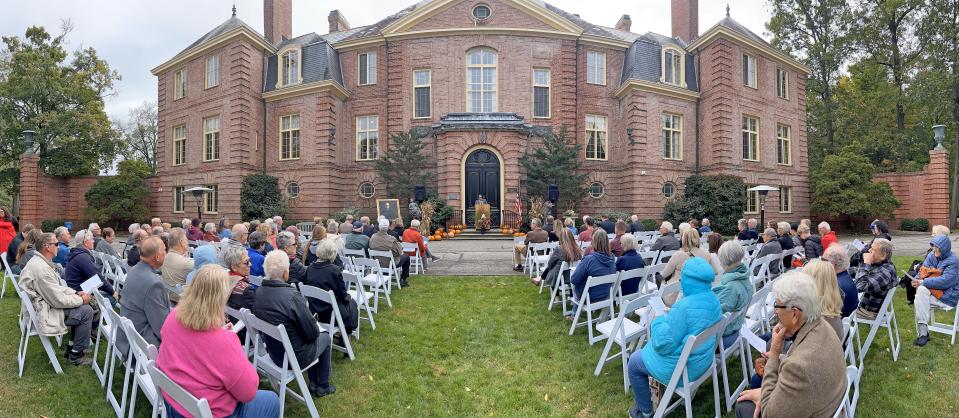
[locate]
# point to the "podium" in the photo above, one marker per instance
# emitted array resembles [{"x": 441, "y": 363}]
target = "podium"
[{"x": 481, "y": 209}]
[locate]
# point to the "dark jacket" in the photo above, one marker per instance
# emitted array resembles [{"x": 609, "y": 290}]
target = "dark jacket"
[
  {"x": 771, "y": 247},
  {"x": 297, "y": 270},
  {"x": 279, "y": 303},
  {"x": 369, "y": 230},
  {"x": 609, "y": 226},
  {"x": 80, "y": 267},
  {"x": 594, "y": 264},
  {"x": 753, "y": 233},
  {"x": 133, "y": 256},
  {"x": 666, "y": 242},
  {"x": 243, "y": 295},
  {"x": 850, "y": 296},
  {"x": 636, "y": 227},
  {"x": 812, "y": 247},
  {"x": 786, "y": 242},
  {"x": 744, "y": 235},
  {"x": 628, "y": 261},
  {"x": 12, "y": 249},
  {"x": 327, "y": 276}
]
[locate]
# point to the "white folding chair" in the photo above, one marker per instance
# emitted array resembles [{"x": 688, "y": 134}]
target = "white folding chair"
[
  {"x": 723, "y": 355},
  {"x": 199, "y": 408},
  {"x": 255, "y": 280},
  {"x": 362, "y": 298},
  {"x": 30, "y": 327},
  {"x": 354, "y": 253},
  {"x": 885, "y": 318},
  {"x": 335, "y": 324},
  {"x": 846, "y": 408},
  {"x": 942, "y": 327},
  {"x": 7, "y": 274},
  {"x": 239, "y": 326},
  {"x": 372, "y": 277},
  {"x": 664, "y": 256},
  {"x": 141, "y": 353},
  {"x": 538, "y": 256},
  {"x": 106, "y": 335},
  {"x": 649, "y": 257},
  {"x": 391, "y": 272},
  {"x": 625, "y": 333},
  {"x": 649, "y": 284},
  {"x": 688, "y": 389},
  {"x": 562, "y": 291},
  {"x": 633, "y": 274},
  {"x": 280, "y": 375},
  {"x": 416, "y": 260},
  {"x": 119, "y": 405},
  {"x": 604, "y": 307}
]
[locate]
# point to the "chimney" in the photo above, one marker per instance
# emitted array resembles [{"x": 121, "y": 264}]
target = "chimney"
[
  {"x": 685, "y": 14},
  {"x": 338, "y": 22},
  {"x": 624, "y": 23},
  {"x": 277, "y": 20}
]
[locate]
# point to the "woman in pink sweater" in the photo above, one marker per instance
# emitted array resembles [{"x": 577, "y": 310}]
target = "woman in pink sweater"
[{"x": 201, "y": 353}]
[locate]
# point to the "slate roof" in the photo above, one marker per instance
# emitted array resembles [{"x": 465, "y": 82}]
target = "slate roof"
[
  {"x": 644, "y": 60},
  {"x": 736, "y": 26},
  {"x": 319, "y": 61},
  {"x": 229, "y": 25}
]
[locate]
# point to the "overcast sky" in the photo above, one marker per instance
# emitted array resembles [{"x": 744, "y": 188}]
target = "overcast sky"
[{"x": 134, "y": 36}]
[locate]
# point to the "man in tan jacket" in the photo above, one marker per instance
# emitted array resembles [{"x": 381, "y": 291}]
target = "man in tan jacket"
[
  {"x": 810, "y": 379},
  {"x": 177, "y": 263},
  {"x": 536, "y": 235},
  {"x": 383, "y": 241},
  {"x": 57, "y": 306}
]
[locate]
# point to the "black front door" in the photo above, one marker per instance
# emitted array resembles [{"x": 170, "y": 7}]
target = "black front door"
[{"x": 482, "y": 178}]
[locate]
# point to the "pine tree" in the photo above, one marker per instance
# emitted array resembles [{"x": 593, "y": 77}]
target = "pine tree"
[
  {"x": 555, "y": 162},
  {"x": 404, "y": 166}
]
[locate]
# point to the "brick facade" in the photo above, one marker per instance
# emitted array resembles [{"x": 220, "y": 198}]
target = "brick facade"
[{"x": 924, "y": 194}]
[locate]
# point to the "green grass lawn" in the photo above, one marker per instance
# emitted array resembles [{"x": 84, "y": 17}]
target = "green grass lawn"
[{"x": 484, "y": 346}]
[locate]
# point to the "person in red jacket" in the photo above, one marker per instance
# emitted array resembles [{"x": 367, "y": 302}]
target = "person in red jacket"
[
  {"x": 828, "y": 235},
  {"x": 7, "y": 228},
  {"x": 412, "y": 234}
]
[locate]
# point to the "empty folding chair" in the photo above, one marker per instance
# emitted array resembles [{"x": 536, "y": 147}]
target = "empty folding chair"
[
  {"x": 141, "y": 353},
  {"x": 199, "y": 408},
  {"x": 391, "y": 272},
  {"x": 687, "y": 390},
  {"x": 885, "y": 318},
  {"x": 538, "y": 256},
  {"x": 280, "y": 375},
  {"x": 372, "y": 277},
  {"x": 623, "y": 332},
  {"x": 603, "y": 307},
  {"x": 362, "y": 298},
  {"x": 562, "y": 290},
  {"x": 335, "y": 324},
  {"x": 29, "y": 327},
  {"x": 416, "y": 260}
]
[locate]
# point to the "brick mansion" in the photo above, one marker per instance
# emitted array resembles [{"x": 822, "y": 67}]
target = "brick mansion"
[{"x": 481, "y": 81}]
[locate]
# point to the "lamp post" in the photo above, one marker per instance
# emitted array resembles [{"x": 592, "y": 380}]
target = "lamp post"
[
  {"x": 763, "y": 191},
  {"x": 198, "y": 192}
]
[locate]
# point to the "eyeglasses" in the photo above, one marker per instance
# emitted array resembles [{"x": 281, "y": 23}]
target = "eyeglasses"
[
  {"x": 245, "y": 262},
  {"x": 785, "y": 307},
  {"x": 54, "y": 243}
]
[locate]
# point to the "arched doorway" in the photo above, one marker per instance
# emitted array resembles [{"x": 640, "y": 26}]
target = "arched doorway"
[{"x": 482, "y": 175}]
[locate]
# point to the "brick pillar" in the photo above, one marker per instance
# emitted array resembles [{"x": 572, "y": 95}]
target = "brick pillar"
[
  {"x": 936, "y": 188},
  {"x": 31, "y": 202}
]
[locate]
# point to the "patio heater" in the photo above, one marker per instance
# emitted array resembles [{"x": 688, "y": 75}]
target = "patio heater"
[
  {"x": 763, "y": 191},
  {"x": 198, "y": 192}
]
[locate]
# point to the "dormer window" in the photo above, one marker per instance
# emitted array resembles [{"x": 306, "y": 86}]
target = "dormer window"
[
  {"x": 674, "y": 67},
  {"x": 289, "y": 68}
]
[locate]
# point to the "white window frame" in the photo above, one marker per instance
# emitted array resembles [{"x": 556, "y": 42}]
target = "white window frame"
[
  {"x": 750, "y": 73},
  {"x": 679, "y": 72},
  {"x": 602, "y": 141},
  {"x": 784, "y": 154},
  {"x": 287, "y": 189},
  {"x": 364, "y": 195},
  {"x": 549, "y": 92},
  {"x": 602, "y": 188},
  {"x": 785, "y": 205},
  {"x": 596, "y": 68},
  {"x": 782, "y": 83},
  {"x": 211, "y": 200},
  {"x": 178, "y": 199},
  {"x": 211, "y": 136},
  {"x": 429, "y": 88},
  {"x": 480, "y": 67},
  {"x": 751, "y": 197},
  {"x": 293, "y": 153},
  {"x": 284, "y": 68},
  {"x": 370, "y": 68},
  {"x": 673, "y": 132},
  {"x": 752, "y": 137},
  {"x": 212, "y": 71},
  {"x": 371, "y": 150},
  {"x": 179, "y": 145},
  {"x": 179, "y": 84}
]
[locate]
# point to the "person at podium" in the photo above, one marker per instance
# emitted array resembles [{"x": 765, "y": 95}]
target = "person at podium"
[{"x": 480, "y": 200}]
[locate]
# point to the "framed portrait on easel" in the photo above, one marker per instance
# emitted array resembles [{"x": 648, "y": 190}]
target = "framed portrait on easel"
[{"x": 390, "y": 208}]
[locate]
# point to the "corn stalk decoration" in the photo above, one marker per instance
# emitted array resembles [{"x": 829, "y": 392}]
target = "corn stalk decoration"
[{"x": 427, "y": 207}]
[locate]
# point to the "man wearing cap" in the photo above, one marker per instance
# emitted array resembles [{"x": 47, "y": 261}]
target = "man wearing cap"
[
  {"x": 383, "y": 241},
  {"x": 357, "y": 240}
]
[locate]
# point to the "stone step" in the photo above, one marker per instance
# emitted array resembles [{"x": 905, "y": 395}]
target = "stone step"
[{"x": 472, "y": 234}]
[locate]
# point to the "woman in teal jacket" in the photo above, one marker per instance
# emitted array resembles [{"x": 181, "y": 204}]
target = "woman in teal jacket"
[
  {"x": 697, "y": 310},
  {"x": 734, "y": 290}
]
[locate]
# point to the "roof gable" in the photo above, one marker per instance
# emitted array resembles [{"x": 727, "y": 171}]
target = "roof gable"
[
  {"x": 230, "y": 29},
  {"x": 732, "y": 29},
  {"x": 429, "y": 8}
]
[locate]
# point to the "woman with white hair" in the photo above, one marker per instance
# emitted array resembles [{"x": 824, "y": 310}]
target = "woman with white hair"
[
  {"x": 209, "y": 232},
  {"x": 734, "y": 290},
  {"x": 810, "y": 381},
  {"x": 81, "y": 266},
  {"x": 628, "y": 261},
  {"x": 279, "y": 303},
  {"x": 237, "y": 259},
  {"x": 326, "y": 275},
  {"x": 785, "y": 242}
]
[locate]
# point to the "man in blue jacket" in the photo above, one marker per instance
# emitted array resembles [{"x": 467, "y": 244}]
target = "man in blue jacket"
[{"x": 947, "y": 282}]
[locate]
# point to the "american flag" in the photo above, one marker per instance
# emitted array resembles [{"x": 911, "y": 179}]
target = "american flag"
[{"x": 519, "y": 212}]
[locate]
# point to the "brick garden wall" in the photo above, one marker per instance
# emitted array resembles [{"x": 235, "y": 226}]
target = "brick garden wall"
[
  {"x": 924, "y": 194},
  {"x": 46, "y": 197}
]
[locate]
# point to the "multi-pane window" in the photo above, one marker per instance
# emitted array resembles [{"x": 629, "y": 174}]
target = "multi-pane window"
[
  {"x": 367, "y": 68},
  {"x": 179, "y": 84},
  {"x": 422, "y": 93},
  {"x": 179, "y": 145},
  {"x": 178, "y": 199},
  {"x": 785, "y": 199},
  {"x": 290, "y": 137},
  {"x": 672, "y": 137},
  {"x": 596, "y": 67},
  {"x": 782, "y": 83},
  {"x": 595, "y": 137},
  {"x": 752, "y": 199},
  {"x": 750, "y": 138},
  {"x": 672, "y": 67},
  {"x": 290, "y": 67},
  {"x": 211, "y": 138},
  {"x": 212, "y": 71},
  {"x": 366, "y": 135},
  {"x": 783, "y": 151},
  {"x": 749, "y": 70},
  {"x": 211, "y": 202},
  {"x": 481, "y": 80},
  {"x": 541, "y": 83}
]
